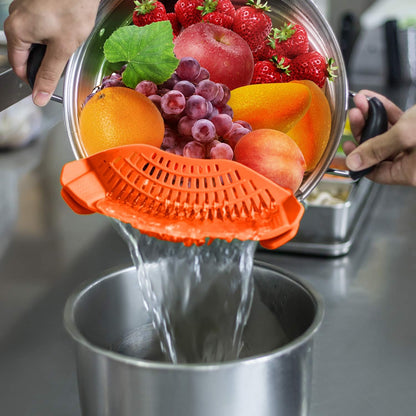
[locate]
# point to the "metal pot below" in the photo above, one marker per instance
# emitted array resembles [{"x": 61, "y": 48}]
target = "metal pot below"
[{"x": 121, "y": 370}]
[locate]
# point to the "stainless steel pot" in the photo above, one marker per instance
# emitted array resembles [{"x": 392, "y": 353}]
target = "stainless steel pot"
[
  {"x": 87, "y": 67},
  {"x": 115, "y": 378}
]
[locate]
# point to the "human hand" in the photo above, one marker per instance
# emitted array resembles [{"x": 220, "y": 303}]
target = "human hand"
[
  {"x": 61, "y": 25},
  {"x": 393, "y": 153}
]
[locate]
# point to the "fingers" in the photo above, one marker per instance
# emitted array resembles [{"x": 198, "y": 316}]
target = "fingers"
[
  {"x": 400, "y": 171},
  {"x": 374, "y": 151},
  {"x": 21, "y": 33},
  {"x": 49, "y": 73},
  {"x": 357, "y": 122},
  {"x": 393, "y": 111},
  {"x": 357, "y": 116},
  {"x": 17, "y": 50},
  {"x": 18, "y": 60},
  {"x": 348, "y": 147}
]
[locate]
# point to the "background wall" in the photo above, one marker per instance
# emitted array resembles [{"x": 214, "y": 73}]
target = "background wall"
[{"x": 337, "y": 8}]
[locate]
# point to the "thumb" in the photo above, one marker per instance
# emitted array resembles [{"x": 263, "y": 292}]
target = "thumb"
[
  {"x": 373, "y": 151},
  {"x": 49, "y": 73}
]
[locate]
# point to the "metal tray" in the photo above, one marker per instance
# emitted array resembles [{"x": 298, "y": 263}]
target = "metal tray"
[{"x": 330, "y": 230}]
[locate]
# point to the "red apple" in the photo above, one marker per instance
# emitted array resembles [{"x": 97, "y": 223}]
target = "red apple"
[
  {"x": 273, "y": 154},
  {"x": 224, "y": 53}
]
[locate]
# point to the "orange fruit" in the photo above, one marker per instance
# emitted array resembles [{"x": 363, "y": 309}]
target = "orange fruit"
[{"x": 117, "y": 116}]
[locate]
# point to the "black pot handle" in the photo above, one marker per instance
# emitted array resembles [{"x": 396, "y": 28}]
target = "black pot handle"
[
  {"x": 36, "y": 54},
  {"x": 375, "y": 124}
]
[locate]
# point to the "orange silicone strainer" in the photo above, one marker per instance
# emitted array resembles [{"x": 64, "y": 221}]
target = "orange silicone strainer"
[{"x": 181, "y": 199}]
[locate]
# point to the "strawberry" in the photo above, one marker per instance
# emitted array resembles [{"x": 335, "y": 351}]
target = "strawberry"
[
  {"x": 252, "y": 23},
  {"x": 218, "y": 18},
  {"x": 176, "y": 26},
  {"x": 188, "y": 12},
  {"x": 313, "y": 66},
  {"x": 221, "y": 6},
  {"x": 194, "y": 11},
  {"x": 271, "y": 71},
  {"x": 292, "y": 40},
  {"x": 148, "y": 11},
  {"x": 268, "y": 48}
]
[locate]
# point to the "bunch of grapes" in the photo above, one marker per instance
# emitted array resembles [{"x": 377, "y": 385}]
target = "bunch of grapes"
[{"x": 198, "y": 120}]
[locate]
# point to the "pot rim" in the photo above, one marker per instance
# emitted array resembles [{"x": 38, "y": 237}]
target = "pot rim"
[{"x": 78, "y": 337}]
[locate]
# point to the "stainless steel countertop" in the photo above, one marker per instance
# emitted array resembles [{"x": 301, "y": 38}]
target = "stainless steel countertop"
[{"x": 365, "y": 352}]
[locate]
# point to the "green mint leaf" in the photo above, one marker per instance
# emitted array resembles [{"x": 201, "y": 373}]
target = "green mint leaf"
[{"x": 148, "y": 51}]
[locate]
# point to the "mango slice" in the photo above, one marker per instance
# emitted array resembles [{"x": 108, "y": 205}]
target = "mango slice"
[
  {"x": 313, "y": 130},
  {"x": 276, "y": 106}
]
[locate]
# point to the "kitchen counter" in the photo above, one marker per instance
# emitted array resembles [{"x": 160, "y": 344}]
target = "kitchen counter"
[{"x": 365, "y": 351}]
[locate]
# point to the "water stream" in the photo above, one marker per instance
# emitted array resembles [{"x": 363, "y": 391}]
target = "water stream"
[{"x": 199, "y": 297}]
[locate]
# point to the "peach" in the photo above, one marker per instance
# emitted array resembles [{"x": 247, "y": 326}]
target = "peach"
[
  {"x": 273, "y": 154},
  {"x": 312, "y": 131}
]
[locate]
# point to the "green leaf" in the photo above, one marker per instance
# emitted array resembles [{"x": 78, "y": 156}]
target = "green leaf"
[{"x": 148, "y": 51}]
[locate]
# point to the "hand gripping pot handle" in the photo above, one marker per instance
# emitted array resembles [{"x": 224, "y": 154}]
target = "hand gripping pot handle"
[
  {"x": 36, "y": 54},
  {"x": 375, "y": 124}
]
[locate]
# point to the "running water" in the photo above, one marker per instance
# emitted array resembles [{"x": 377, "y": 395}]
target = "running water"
[{"x": 199, "y": 298}]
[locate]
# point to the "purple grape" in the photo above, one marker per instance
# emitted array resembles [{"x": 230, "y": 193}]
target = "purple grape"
[
  {"x": 185, "y": 87},
  {"x": 223, "y": 124},
  {"x": 203, "y": 131},
  {"x": 245, "y": 124},
  {"x": 227, "y": 93},
  {"x": 188, "y": 68},
  {"x": 194, "y": 149},
  {"x": 185, "y": 126},
  {"x": 171, "y": 119},
  {"x": 162, "y": 91},
  {"x": 221, "y": 101},
  {"x": 175, "y": 150},
  {"x": 113, "y": 80},
  {"x": 171, "y": 82},
  {"x": 226, "y": 109},
  {"x": 235, "y": 134},
  {"x": 146, "y": 87},
  {"x": 89, "y": 96},
  {"x": 210, "y": 145},
  {"x": 214, "y": 112},
  {"x": 170, "y": 139},
  {"x": 203, "y": 74},
  {"x": 210, "y": 109},
  {"x": 173, "y": 102},
  {"x": 217, "y": 101},
  {"x": 156, "y": 99},
  {"x": 208, "y": 89},
  {"x": 196, "y": 107},
  {"x": 221, "y": 151}
]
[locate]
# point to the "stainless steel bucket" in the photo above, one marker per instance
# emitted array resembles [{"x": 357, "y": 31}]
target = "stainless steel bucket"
[
  {"x": 87, "y": 67},
  {"x": 273, "y": 379}
]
